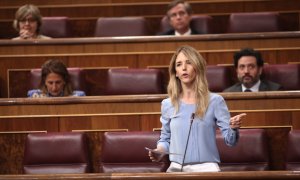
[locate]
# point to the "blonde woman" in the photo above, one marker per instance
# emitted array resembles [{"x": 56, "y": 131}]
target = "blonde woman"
[
  {"x": 28, "y": 22},
  {"x": 191, "y": 115}
]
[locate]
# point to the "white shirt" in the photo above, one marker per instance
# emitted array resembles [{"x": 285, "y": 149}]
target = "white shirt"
[
  {"x": 189, "y": 32},
  {"x": 253, "y": 88}
]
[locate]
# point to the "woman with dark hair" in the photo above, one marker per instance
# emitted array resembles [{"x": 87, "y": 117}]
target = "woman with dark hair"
[
  {"x": 55, "y": 81},
  {"x": 28, "y": 22}
]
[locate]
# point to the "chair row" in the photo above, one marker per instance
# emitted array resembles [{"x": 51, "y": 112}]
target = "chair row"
[
  {"x": 126, "y": 81},
  {"x": 67, "y": 152},
  {"x": 58, "y": 27}
]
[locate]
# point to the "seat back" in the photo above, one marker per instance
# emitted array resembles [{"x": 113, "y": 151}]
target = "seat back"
[
  {"x": 76, "y": 75},
  {"x": 200, "y": 23},
  {"x": 121, "y": 26},
  {"x": 56, "y": 153},
  {"x": 287, "y": 75},
  {"x": 293, "y": 151},
  {"x": 124, "y": 152},
  {"x": 56, "y": 27},
  {"x": 218, "y": 77},
  {"x": 250, "y": 154},
  {"x": 134, "y": 81},
  {"x": 253, "y": 22}
]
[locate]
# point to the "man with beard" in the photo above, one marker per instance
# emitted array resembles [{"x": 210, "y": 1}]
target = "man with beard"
[{"x": 249, "y": 65}]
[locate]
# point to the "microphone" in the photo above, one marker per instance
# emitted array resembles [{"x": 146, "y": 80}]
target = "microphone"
[{"x": 187, "y": 141}]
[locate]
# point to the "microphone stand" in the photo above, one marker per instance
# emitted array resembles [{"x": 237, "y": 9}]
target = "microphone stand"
[{"x": 187, "y": 141}]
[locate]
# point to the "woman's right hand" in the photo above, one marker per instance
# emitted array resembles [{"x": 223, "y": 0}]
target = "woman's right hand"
[
  {"x": 26, "y": 34},
  {"x": 157, "y": 154}
]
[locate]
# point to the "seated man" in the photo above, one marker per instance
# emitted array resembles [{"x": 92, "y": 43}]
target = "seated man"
[
  {"x": 179, "y": 15},
  {"x": 249, "y": 65},
  {"x": 55, "y": 82}
]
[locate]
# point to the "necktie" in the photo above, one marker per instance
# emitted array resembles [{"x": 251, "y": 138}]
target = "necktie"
[{"x": 247, "y": 90}]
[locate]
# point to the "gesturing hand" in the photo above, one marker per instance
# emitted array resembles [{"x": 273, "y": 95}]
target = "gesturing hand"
[{"x": 236, "y": 121}]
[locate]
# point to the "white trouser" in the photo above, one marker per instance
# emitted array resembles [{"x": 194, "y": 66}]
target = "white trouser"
[{"x": 202, "y": 167}]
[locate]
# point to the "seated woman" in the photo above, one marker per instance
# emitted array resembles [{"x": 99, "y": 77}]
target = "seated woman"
[
  {"x": 28, "y": 21},
  {"x": 55, "y": 82}
]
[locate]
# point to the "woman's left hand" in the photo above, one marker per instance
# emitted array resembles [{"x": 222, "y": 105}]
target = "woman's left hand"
[{"x": 236, "y": 121}]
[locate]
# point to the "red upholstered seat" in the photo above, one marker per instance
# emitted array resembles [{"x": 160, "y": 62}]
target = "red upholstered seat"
[
  {"x": 253, "y": 22},
  {"x": 287, "y": 75},
  {"x": 200, "y": 23},
  {"x": 293, "y": 151},
  {"x": 250, "y": 154},
  {"x": 134, "y": 81},
  {"x": 76, "y": 74},
  {"x": 56, "y": 153},
  {"x": 56, "y": 27},
  {"x": 125, "y": 152},
  {"x": 218, "y": 77},
  {"x": 121, "y": 26}
]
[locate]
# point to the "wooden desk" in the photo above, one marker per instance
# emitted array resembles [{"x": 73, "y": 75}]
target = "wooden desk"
[
  {"x": 277, "y": 112},
  {"x": 138, "y": 8},
  {"x": 242, "y": 175},
  {"x": 85, "y": 26},
  {"x": 136, "y": 112},
  {"x": 141, "y": 52}
]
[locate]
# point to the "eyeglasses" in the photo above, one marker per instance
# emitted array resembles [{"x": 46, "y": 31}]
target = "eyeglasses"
[
  {"x": 180, "y": 14},
  {"x": 29, "y": 20}
]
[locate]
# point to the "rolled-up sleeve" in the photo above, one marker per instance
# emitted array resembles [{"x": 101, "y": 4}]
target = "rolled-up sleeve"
[
  {"x": 223, "y": 118},
  {"x": 165, "y": 120}
]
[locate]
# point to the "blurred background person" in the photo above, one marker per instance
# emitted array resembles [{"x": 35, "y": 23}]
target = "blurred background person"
[
  {"x": 179, "y": 14},
  {"x": 55, "y": 82},
  {"x": 28, "y": 22},
  {"x": 249, "y": 64}
]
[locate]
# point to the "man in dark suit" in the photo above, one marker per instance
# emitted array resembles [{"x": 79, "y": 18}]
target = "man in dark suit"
[
  {"x": 179, "y": 15},
  {"x": 249, "y": 65}
]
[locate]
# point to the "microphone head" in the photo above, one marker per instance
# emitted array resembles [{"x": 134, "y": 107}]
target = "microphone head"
[{"x": 193, "y": 116}]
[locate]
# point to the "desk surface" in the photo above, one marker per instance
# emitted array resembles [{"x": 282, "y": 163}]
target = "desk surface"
[
  {"x": 141, "y": 112},
  {"x": 249, "y": 175},
  {"x": 141, "y": 52},
  {"x": 150, "y": 43},
  {"x": 278, "y": 112}
]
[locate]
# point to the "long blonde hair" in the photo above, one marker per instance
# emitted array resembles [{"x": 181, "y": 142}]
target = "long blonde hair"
[{"x": 200, "y": 84}]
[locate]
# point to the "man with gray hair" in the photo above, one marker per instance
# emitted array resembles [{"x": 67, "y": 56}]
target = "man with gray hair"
[{"x": 179, "y": 14}]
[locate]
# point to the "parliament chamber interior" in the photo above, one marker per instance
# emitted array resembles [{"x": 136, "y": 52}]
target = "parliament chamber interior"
[{"x": 114, "y": 54}]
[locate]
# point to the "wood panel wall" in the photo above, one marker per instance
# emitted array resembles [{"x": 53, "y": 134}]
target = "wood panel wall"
[
  {"x": 142, "y": 52},
  {"x": 277, "y": 112},
  {"x": 85, "y": 26},
  {"x": 151, "y": 8},
  {"x": 240, "y": 175}
]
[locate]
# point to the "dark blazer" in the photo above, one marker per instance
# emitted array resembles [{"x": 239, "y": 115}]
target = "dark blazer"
[
  {"x": 264, "y": 86},
  {"x": 172, "y": 32}
]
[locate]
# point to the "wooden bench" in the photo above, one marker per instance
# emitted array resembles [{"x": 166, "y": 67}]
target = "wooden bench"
[
  {"x": 85, "y": 26},
  {"x": 142, "y": 52}
]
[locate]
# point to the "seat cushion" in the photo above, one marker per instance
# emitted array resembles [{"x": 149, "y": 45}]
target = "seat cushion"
[
  {"x": 134, "y": 81},
  {"x": 125, "y": 152},
  {"x": 250, "y": 154},
  {"x": 121, "y": 26},
  {"x": 293, "y": 151},
  {"x": 47, "y": 153},
  {"x": 253, "y": 22},
  {"x": 56, "y": 27}
]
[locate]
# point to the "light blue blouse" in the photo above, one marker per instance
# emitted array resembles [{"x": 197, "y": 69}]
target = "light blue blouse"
[
  {"x": 37, "y": 93},
  {"x": 202, "y": 142}
]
